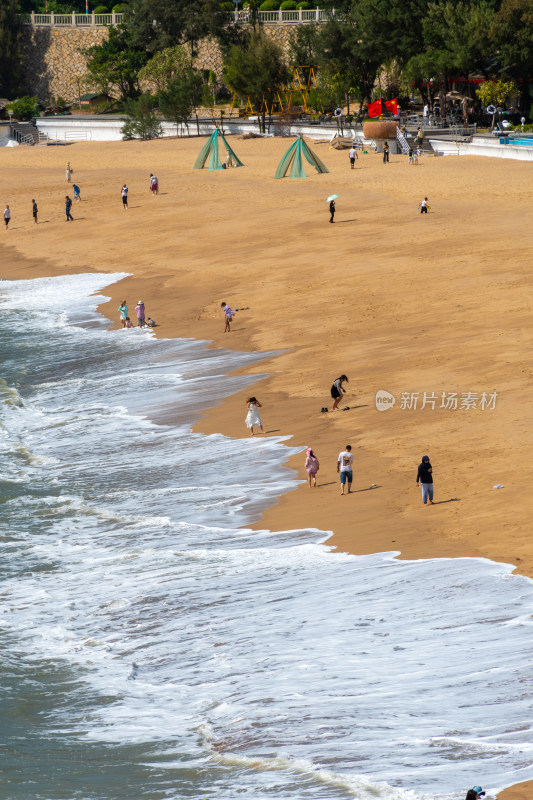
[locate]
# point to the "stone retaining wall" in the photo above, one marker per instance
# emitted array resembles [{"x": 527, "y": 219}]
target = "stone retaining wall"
[{"x": 54, "y": 63}]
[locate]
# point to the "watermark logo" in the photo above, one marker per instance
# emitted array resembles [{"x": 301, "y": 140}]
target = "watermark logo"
[
  {"x": 447, "y": 401},
  {"x": 384, "y": 400}
]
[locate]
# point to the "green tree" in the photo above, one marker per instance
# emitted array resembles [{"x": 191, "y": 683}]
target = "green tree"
[
  {"x": 257, "y": 71},
  {"x": 10, "y": 52},
  {"x": 115, "y": 64},
  {"x": 456, "y": 40},
  {"x": 349, "y": 57},
  {"x": 166, "y": 65},
  {"x": 513, "y": 36},
  {"x": 24, "y": 108},
  {"x": 180, "y": 97},
  {"x": 142, "y": 121},
  {"x": 157, "y": 24}
]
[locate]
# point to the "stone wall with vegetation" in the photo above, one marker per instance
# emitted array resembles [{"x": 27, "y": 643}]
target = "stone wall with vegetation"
[{"x": 54, "y": 64}]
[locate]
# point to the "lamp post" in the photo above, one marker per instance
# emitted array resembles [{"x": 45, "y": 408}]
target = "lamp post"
[
  {"x": 236, "y": 2},
  {"x": 10, "y": 112}
]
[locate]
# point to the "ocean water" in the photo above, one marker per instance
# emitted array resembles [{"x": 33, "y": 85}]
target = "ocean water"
[{"x": 153, "y": 646}]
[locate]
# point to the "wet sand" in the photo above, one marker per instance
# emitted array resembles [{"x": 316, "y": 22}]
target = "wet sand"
[{"x": 398, "y": 301}]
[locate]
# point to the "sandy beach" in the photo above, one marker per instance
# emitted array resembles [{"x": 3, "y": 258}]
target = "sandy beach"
[{"x": 412, "y": 304}]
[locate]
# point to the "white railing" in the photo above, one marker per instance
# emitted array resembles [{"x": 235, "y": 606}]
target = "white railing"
[
  {"x": 402, "y": 141},
  {"x": 106, "y": 20},
  {"x": 71, "y": 20},
  {"x": 69, "y": 135}
]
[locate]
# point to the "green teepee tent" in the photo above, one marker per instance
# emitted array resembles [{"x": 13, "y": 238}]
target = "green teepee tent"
[
  {"x": 292, "y": 160},
  {"x": 210, "y": 151}
]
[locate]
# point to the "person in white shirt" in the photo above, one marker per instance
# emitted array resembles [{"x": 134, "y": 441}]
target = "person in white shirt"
[
  {"x": 124, "y": 193},
  {"x": 424, "y": 206},
  {"x": 344, "y": 466},
  {"x": 7, "y": 216},
  {"x": 353, "y": 156},
  {"x": 426, "y": 114}
]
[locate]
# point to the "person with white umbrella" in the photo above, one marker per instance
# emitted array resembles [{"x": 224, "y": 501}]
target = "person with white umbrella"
[{"x": 331, "y": 200}]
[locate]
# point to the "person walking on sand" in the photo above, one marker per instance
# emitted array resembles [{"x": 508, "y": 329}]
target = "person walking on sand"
[
  {"x": 337, "y": 390},
  {"x": 124, "y": 192},
  {"x": 34, "y": 211},
  {"x": 139, "y": 308},
  {"x": 312, "y": 466},
  {"x": 68, "y": 172},
  {"x": 77, "y": 192},
  {"x": 228, "y": 316},
  {"x": 344, "y": 466},
  {"x": 68, "y": 206},
  {"x": 332, "y": 210},
  {"x": 386, "y": 153},
  {"x": 424, "y": 476},
  {"x": 123, "y": 311},
  {"x": 154, "y": 185},
  {"x": 252, "y": 417},
  {"x": 7, "y": 216},
  {"x": 424, "y": 206},
  {"x": 352, "y": 156}
]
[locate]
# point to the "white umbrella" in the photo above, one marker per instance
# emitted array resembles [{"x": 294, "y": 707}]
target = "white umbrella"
[{"x": 332, "y": 197}]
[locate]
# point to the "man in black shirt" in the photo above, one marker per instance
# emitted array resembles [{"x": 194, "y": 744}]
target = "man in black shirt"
[{"x": 425, "y": 478}]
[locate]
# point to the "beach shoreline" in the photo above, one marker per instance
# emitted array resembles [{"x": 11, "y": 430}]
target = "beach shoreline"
[{"x": 326, "y": 308}]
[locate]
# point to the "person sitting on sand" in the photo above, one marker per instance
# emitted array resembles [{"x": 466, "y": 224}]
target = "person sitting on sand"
[
  {"x": 312, "y": 466},
  {"x": 228, "y": 316},
  {"x": 424, "y": 476},
  {"x": 337, "y": 391},
  {"x": 252, "y": 417},
  {"x": 151, "y": 322},
  {"x": 128, "y": 323}
]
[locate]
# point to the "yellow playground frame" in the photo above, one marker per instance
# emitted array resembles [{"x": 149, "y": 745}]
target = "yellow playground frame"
[{"x": 297, "y": 85}]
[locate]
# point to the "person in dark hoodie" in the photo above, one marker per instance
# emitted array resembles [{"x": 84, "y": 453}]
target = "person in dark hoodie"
[
  {"x": 425, "y": 478},
  {"x": 475, "y": 793}
]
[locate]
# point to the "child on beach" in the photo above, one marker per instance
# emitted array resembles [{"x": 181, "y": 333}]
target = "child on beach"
[
  {"x": 352, "y": 156},
  {"x": 128, "y": 323},
  {"x": 424, "y": 206},
  {"x": 124, "y": 193},
  {"x": 312, "y": 466},
  {"x": 151, "y": 322},
  {"x": 123, "y": 311},
  {"x": 35, "y": 211},
  {"x": 154, "y": 185},
  {"x": 76, "y": 192},
  {"x": 7, "y": 216},
  {"x": 252, "y": 417},
  {"x": 228, "y": 316}
]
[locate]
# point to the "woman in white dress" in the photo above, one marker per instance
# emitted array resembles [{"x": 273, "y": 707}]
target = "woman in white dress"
[
  {"x": 252, "y": 417},
  {"x": 68, "y": 172}
]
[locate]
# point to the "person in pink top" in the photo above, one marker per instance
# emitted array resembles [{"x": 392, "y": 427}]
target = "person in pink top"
[
  {"x": 139, "y": 308},
  {"x": 312, "y": 466}
]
